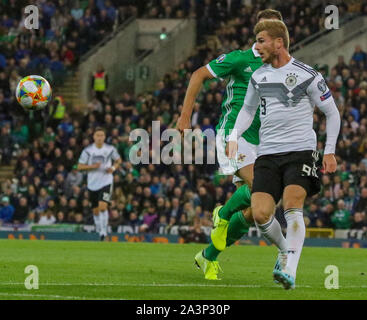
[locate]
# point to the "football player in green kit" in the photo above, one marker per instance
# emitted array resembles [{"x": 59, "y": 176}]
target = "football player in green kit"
[{"x": 232, "y": 220}]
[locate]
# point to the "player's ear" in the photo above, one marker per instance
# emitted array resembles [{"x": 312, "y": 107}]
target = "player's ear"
[{"x": 278, "y": 43}]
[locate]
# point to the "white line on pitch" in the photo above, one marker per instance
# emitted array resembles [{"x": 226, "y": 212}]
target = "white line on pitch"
[
  {"x": 168, "y": 285},
  {"x": 54, "y": 296}
]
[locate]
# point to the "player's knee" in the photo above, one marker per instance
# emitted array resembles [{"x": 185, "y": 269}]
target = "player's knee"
[
  {"x": 296, "y": 201},
  {"x": 260, "y": 214},
  {"x": 247, "y": 213}
]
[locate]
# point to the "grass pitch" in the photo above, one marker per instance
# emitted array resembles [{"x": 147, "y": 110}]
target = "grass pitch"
[{"x": 105, "y": 270}]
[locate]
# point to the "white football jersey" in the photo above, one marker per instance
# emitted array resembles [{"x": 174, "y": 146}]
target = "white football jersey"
[
  {"x": 287, "y": 97},
  {"x": 99, "y": 178}
]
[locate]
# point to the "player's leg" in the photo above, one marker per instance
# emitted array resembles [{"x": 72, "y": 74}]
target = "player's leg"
[
  {"x": 103, "y": 213},
  {"x": 239, "y": 201},
  {"x": 103, "y": 201},
  {"x": 238, "y": 225},
  {"x": 241, "y": 198},
  {"x": 97, "y": 219},
  {"x": 293, "y": 198},
  {"x": 207, "y": 259},
  {"x": 263, "y": 201},
  {"x": 300, "y": 179},
  {"x": 93, "y": 195}
]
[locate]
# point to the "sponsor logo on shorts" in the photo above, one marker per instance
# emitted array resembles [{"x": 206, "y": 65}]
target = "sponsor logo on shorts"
[{"x": 106, "y": 196}]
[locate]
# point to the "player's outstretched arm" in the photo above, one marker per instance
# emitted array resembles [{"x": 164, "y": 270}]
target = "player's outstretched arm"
[
  {"x": 321, "y": 95},
  {"x": 115, "y": 166},
  {"x": 82, "y": 166},
  {"x": 243, "y": 120},
  {"x": 193, "y": 89},
  {"x": 332, "y": 131}
]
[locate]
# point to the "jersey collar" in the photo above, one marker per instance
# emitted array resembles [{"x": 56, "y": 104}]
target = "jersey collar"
[{"x": 256, "y": 54}]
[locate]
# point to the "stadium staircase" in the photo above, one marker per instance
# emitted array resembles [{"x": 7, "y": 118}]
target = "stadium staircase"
[
  {"x": 70, "y": 91},
  {"x": 6, "y": 173}
]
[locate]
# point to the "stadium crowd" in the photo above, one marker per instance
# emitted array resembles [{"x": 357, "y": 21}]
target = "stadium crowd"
[{"x": 47, "y": 188}]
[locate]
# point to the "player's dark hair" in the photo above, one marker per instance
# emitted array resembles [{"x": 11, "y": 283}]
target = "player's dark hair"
[
  {"x": 269, "y": 14},
  {"x": 99, "y": 129}
]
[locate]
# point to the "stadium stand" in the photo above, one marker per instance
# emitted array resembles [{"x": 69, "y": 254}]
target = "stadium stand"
[{"x": 177, "y": 199}]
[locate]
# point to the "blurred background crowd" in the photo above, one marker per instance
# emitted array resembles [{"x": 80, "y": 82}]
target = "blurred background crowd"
[{"x": 45, "y": 146}]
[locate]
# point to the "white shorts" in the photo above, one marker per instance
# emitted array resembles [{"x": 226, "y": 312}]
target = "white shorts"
[{"x": 246, "y": 155}]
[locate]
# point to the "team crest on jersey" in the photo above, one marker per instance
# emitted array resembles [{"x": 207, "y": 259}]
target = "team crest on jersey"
[
  {"x": 221, "y": 58},
  {"x": 241, "y": 157},
  {"x": 291, "y": 79},
  {"x": 322, "y": 85}
]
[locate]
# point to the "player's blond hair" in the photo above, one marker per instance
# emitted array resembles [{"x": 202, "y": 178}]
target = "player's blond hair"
[
  {"x": 269, "y": 14},
  {"x": 275, "y": 29}
]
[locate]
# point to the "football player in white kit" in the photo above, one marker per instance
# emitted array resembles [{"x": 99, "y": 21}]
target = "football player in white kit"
[
  {"x": 97, "y": 159},
  {"x": 287, "y": 164}
]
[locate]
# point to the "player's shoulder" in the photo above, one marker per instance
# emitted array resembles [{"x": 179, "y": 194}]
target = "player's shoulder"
[
  {"x": 89, "y": 148},
  {"x": 304, "y": 68},
  {"x": 109, "y": 147},
  {"x": 230, "y": 57},
  {"x": 261, "y": 72}
]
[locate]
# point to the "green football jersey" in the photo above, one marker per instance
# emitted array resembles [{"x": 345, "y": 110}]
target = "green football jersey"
[{"x": 236, "y": 67}]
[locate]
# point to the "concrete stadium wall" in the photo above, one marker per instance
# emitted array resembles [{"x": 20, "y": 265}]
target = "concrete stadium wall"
[
  {"x": 167, "y": 55},
  {"x": 327, "y": 48},
  {"x": 116, "y": 55},
  {"x": 150, "y": 29}
]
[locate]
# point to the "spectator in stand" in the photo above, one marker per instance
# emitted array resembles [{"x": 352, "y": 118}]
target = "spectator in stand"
[
  {"x": 7, "y": 210},
  {"x": 361, "y": 205},
  {"x": 47, "y": 218},
  {"x": 341, "y": 218},
  {"x": 134, "y": 221},
  {"x": 313, "y": 214},
  {"x": 206, "y": 200},
  {"x": 21, "y": 211},
  {"x": 74, "y": 178},
  {"x": 359, "y": 222},
  {"x": 6, "y": 145},
  {"x": 60, "y": 217},
  {"x": 359, "y": 57}
]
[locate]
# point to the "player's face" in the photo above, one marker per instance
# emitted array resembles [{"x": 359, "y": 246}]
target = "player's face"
[
  {"x": 265, "y": 46},
  {"x": 99, "y": 137}
]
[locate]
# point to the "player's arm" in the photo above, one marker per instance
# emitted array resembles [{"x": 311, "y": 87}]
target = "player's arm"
[
  {"x": 244, "y": 119},
  {"x": 193, "y": 89},
  {"x": 320, "y": 94},
  {"x": 217, "y": 68},
  {"x": 87, "y": 167},
  {"x": 116, "y": 161},
  {"x": 83, "y": 163}
]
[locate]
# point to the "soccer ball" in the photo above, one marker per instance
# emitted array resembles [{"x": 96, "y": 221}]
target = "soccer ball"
[{"x": 33, "y": 92}]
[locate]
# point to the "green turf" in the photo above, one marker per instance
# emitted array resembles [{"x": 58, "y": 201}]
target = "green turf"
[{"x": 96, "y": 270}]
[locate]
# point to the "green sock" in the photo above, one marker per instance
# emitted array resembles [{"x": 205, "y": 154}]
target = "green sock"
[
  {"x": 238, "y": 226},
  {"x": 211, "y": 253},
  {"x": 240, "y": 200}
]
